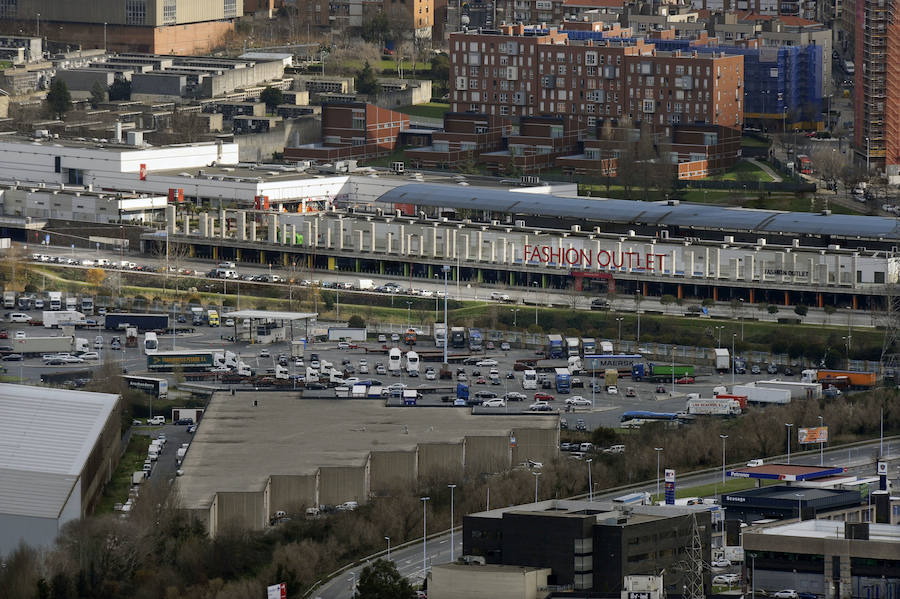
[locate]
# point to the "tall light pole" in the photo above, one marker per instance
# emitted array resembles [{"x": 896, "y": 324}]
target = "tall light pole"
[
  {"x": 445, "y": 269},
  {"x": 424, "y": 536},
  {"x": 867, "y": 139},
  {"x": 104, "y": 35},
  {"x": 590, "y": 481},
  {"x": 408, "y": 311},
  {"x": 723, "y": 437},
  {"x": 451, "y": 487},
  {"x": 788, "y": 426},
  {"x": 733, "y": 337},
  {"x": 536, "y": 475},
  {"x": 752, "y": 576},
  {"x": 388, "y": 539},
  {"x": 719, "y": 336},
  {"x": 821, "y": 444},
  {"x": 619, "y": 321},
  {"x": 799, "y": 506},
  {"x": 515, "y": 313},
  {"x": 658, "y": 450}
]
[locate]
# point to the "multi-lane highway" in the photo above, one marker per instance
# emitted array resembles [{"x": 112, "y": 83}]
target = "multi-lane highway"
[{"x": 470, "y": 291}]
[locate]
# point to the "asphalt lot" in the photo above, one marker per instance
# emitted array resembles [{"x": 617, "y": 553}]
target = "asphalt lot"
[{"x": 606, "y": 409}]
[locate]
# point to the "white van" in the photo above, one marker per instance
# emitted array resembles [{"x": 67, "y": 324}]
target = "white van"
[
  {"x": 226, "y": 273},
  {"x": 19, "y": 317}
]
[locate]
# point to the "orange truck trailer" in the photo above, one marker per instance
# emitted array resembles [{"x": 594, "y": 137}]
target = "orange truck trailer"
[{"x": 857, "y": 379}]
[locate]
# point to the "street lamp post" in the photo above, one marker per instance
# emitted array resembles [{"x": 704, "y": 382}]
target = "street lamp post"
[
  {"x": 799, "y": 506},
  {"x": 788, "y": 426},
  {"x": 733, "y": 337},
  {"x": 408, "y": 312},
  {"x": 445, "y": 269},
  {"x": 388, "y": 539},
  {"x": 821, "y": 444},
  {"x": 867, "y": 149},
  {"x": 451, "y": 487},
  {"x": 424, "y": 536},
  {"x": 723, "y": 437},
  {"x": 619, "y": 320},
  {"x": 658, "y": 450},
  {"x": 752, "y": 576},
  {"x": 590, "y": 481},
  {"x": 536, "y": 476}
]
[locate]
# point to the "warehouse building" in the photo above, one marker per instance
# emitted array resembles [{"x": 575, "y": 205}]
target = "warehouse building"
[
  {"x": 58, "y": 448},
  {"x": 260, "y": 453}
]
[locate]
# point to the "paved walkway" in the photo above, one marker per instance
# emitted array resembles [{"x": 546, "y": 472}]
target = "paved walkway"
[{"x": 767, "y": 169}]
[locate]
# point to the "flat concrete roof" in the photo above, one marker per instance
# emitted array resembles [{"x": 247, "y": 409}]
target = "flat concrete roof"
[
  {"x": 238, "y": 446},
  {"x": 788, "y": 472},
  {"x": 830, "y": 529},
  {"x": 601, "y": 510}
]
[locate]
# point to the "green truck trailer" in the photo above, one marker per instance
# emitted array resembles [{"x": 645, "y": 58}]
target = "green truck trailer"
[{"x": 183, "y": 360}]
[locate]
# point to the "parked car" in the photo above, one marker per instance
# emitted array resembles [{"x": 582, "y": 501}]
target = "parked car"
[
  {"x": 157, "y": 420},
  {"x": 577, "y": 400},
  {"x": 486, "y": 363},
  {"x": 504, "y": 346},
  {"x": 494, "y": 402},
  {"x": 90, "y": 355},
  {"x": 755, "y": 369},
  {"x": 541, "y": 396},
  {"x": 721, "y": 563},
  {"x": 13, "y": 358},
  {"x": 786, "y": 594},
  {"x": 772, "y": 369},
  {"x": 485, "y": 394},
  {"x": 660, "y": 389},
  {"x": 685, "y": 380},
  {"x": 515, "y": 396},
  {"x": 540, "y": 406}
]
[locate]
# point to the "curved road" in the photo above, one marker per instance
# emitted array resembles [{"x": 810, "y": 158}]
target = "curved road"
[{"x": 859, "y": 459}]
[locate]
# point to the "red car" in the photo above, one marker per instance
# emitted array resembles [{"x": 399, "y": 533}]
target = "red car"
[
  {"x": 480, "y": 381},
  {"x": 540, "y": 396},
  {"x": 4, "y": 334},
  {"x": 685, "y": 380}
]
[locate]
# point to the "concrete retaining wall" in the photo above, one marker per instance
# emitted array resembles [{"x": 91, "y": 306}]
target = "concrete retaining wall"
[
  {"x": 290, "y": 492},
  {"x": 244, "y": 509},
  {"x": 441, "y": 460},
  {"x": 486, "y": 455},
  {"x": 535, "y": 444}
]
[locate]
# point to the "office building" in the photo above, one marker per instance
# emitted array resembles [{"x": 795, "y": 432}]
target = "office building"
[
  {"x": 830, "y": 558},
  {"x": 516, "y": 72},
  {"x": 165, "y": 26},
  {"x": 59, "y": 449},
  {"x": 465, "y": 136},
  {"x": 591, "y": 546}
]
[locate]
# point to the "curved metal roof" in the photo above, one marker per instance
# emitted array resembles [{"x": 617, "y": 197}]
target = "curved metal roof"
[{"x": 645, "y": 213}]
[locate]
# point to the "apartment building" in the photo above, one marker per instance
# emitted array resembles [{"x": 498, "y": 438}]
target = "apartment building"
[
  {"x": 555, "y": 11},
  {"x": 339, "y": 16},
  {"x": 515, "y": 72},
  {"x": 536, "y": 146},
  {"x": 353, "y": 130},
  {"x": 164, "y": 26},
  {"x": 876, "y": 101},
  {"x": 465, "y": 137}
]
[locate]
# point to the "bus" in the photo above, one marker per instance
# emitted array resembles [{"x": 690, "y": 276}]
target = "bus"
[
  {"x": 394, "y": 359},
  {"x": 804, "y": 164},
  {"x": 412, "y": 363},
  {"x": 151, "y": 343}
]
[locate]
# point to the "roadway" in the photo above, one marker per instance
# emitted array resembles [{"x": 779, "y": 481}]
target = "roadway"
[
  {"x": 858, "y": 459},
  {"x": 466, "y": 291}
]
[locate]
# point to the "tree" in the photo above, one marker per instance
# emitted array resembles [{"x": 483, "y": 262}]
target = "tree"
[
  {"x": 772, "y": 308},
  {"x": 373, "y": 29},
  {"x": 801, "y": 310},
  {"x": 440, "y": 68},
  {"x": 829, "y": 310},
  {"x": 381, "y": 580},
  {"x": 59, "y": 100},
  {"x": 187, "y": 125},
  {"x": 356, "y": 322},
  {"x": 98, "y": 94},
  {"x": 95, "y": 277},
  {"x": 666, "y": 301},
  {"x": 366, "y": 82},
  {"x": 120, "y": 90},
  {"x": 272, "y": 97}
]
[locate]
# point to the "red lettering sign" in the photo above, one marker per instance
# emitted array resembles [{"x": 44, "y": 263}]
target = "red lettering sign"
[{"x": 546, "y": 254}]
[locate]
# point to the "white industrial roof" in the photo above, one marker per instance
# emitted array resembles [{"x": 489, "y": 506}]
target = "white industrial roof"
[
  {"x": 267, "y": 314},
  {"x": 46, "y": 438},
  {"x": 831, "y": 529}
]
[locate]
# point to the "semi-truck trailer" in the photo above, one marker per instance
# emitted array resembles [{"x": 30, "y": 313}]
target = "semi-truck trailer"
[
  {"x": 457, "y": 337},
  {"x": 563, "y": 380},
  {"x": 797, "y": 389},
  {"x": 55, "y": 298},
  {"x": 554, "y": 346},
  {"x": 588, "y": 346},
  {"x": 717, "y": 406},
  {"x": 36, "y": 346},
  {"x": 624, "y": 363},
  {"x": 662, "y": 372},
  {"x": 723, "y": 360},
  {"x": 184, "y": 360},
  {"x": 87, "y": 304},
  {"x": 58, "y": 318},
  {"x": 476, "y": 341},
  {"x": 856, "y": 379},
  {"x": 440, "y": 334},
  {"x": 573, "y": 345},
  {"x": 142, "y": 322},
  {"x": 9, "y": 299},
  {"x": 156, "y": 388},
  {"x": 762, "y": 395}
]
